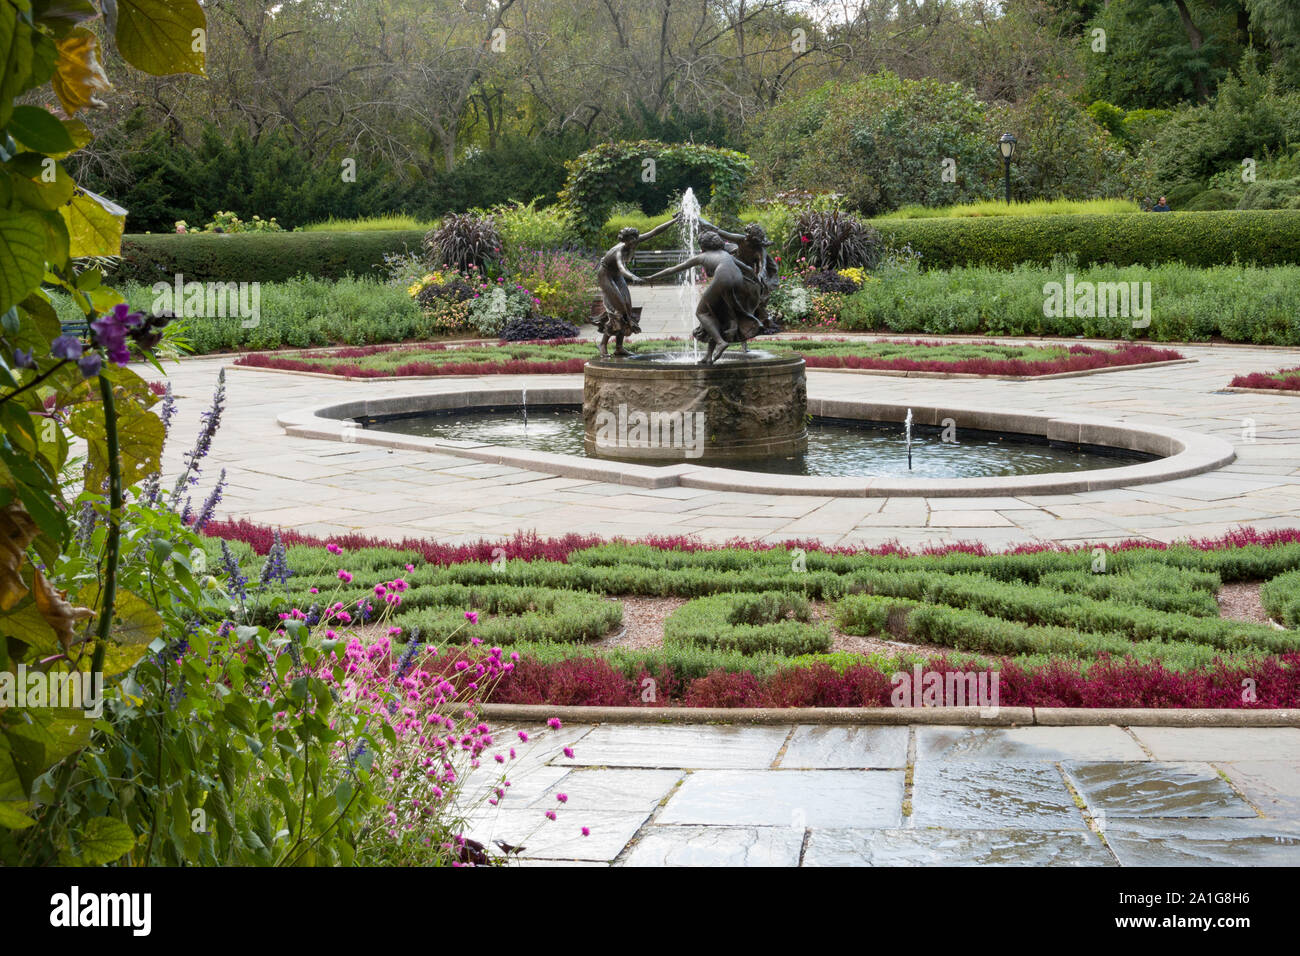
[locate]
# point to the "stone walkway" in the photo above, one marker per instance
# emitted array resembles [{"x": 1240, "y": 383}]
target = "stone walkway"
[
  {"x": 655, "y": 795},
  {"x": 329, "y": 487}
]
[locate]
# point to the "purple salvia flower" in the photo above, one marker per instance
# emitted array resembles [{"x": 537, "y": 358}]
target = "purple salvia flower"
[
  {"x": 210, "y": 503},
  {"x": 233, "y": 575},
  {"x": 167, "y": 410},
  {"x": 85, "y": 524},
  {"x": 211, "y": 421}
]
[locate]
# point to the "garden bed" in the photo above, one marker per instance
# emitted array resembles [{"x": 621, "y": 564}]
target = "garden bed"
[
  {"x": 756, "y": 625},
  {"x": 1284, "y": 382},
  {"x": 569, "y": 356}
]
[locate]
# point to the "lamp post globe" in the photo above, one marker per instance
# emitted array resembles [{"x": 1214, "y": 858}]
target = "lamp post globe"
[{"x": 1007, "y": 147}]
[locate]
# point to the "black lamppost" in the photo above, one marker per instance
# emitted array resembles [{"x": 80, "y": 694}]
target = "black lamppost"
[{"x": 1007, "y": 147}]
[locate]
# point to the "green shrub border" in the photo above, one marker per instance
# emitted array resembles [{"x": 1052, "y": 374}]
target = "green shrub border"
[
  {"x": 260, "y": 257},
  {"x": 1263, "y": 237}
]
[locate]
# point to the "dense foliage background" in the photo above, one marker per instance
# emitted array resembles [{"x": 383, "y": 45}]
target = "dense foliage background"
[{"x": 312, "y": 110}]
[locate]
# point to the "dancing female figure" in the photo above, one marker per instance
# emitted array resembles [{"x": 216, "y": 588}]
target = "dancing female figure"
[
  {"x": 725, "y": 313},
  {"x": 612, "y": 276},
  {"x": 751, "y": 249}
]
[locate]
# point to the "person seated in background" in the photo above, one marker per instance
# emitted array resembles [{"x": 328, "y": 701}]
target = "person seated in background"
[{"x": 1161, "y": 206}]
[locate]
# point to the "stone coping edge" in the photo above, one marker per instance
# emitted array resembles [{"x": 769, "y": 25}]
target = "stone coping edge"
[
  {"x": 893, "y": 716},
  {"x": 1182, "y": 453},
  {"x": 1290, "y": 392},
  {"x": 887, "y": 372}
]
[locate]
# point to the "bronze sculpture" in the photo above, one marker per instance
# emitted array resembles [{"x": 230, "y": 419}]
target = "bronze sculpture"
[
  {"x": 725, "y": 312},
  {"x": 612, "y": 275},
  {"x": 751, "y": 249}
]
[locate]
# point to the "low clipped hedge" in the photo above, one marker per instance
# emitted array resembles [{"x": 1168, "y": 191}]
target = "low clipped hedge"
[
  {"x": 775, "y": 621},
  {"x": 1281, "y": 598},
  {"x": 1263, "y": 237},
  {"x": 260, "y": 256}
]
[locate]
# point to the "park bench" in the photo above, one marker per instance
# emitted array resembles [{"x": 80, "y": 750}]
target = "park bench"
[{"x": 649, "y": 261}]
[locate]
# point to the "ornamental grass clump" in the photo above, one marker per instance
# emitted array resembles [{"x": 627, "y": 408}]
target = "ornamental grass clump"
[{"x": 463, "y": 240}]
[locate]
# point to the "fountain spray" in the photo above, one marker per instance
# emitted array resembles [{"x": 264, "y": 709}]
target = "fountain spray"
[
  {"x": 688, "y": 289},
  {"x": 907, "y": 426}
]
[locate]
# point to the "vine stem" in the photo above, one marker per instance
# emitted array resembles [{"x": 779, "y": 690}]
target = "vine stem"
[{"x": 112, "y": 545}]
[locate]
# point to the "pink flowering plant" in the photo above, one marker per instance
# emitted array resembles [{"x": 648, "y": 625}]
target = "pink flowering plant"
[{"x": 416, "y": 730}]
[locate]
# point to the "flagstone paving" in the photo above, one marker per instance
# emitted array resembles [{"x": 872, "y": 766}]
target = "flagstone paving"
[
  {"x": 327, "y": 488},
  {"x": 826, "y": 796},
  {"x": 966, "y": 796}
]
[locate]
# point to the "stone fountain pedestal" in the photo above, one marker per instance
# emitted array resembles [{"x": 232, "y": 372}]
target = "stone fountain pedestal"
[{"x": 664, "y": 407}]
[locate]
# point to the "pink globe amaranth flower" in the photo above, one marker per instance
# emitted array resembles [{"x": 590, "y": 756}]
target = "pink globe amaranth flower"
[
  {"x": 586, "y": 831},
  {"x": 554, "y": 723},
  {"x": 523, "y": 735},
  {"x": 550, "y": 814},
  {"x": 410, "y": 567},
  {"x": 471, "y": 616},
  {"x": 380, "y": 590},
  {"x": 562, "y": 797},
  {"x": 345, "y": 576},
  {"x": 568, "y": 752},
  {"x": 333, "y": 548}
]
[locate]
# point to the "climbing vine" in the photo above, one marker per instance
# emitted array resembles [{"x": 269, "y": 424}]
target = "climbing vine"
[{"x": 611, "y": 171}]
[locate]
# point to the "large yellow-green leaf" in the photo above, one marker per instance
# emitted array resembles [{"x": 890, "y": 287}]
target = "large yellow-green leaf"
[
  {"x": 22, "y": 256},
  {"x": 135, "y": 621},
  {"x": 12, "y": 815},
  {"x": 15, "y": 59},
  {"x": 26, "y": 624},
  {"x": 94, "y": 224},
  {"x": 140, "y": 436},
  {"x": 104, "y": 840},
  {"x": 158, "y": 36}
]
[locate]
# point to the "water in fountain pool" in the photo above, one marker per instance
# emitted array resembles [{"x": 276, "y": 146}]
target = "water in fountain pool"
[{"x": 836, "y": 448}]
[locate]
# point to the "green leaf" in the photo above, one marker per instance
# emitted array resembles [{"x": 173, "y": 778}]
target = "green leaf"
[
  {"x": 15, "y": 59},
  {"x": 157, "y": 36},
  {"x": 14, "y": 818},
  {"x": 22, "y": 256},
  {"x": 105, "y": 840},
  {"x": 39, "y": 130},
  {"x": 94, "y": 224},
  {"x": 136, "y": 621}
]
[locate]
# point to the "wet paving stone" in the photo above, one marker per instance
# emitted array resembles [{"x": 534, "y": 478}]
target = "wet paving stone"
[
  {"x": 1152, "y": 789},
  {"x": 1222, "y": 743},
  {"x": 942, "y": 847},
  {"x": 716, "y": 846},
  {"x": 1026, "y": 743},
  {"x": 1205, "y": 842},
  {"x": 559, "y": 839},
  {"x": 817, "y": 748},
  {"x": 1272, "y": 785},
  {"x": 609, "y": 790},
  {"x": 789, "y": 798},
  {"x": 623, "y": 745},
  {"x": 986, "y": 794}
]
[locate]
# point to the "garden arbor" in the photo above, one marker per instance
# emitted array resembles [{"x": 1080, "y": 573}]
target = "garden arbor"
[{"x": 651, "y": 173}]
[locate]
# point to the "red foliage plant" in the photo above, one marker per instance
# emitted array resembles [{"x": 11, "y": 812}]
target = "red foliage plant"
[{"x": 1287, "y": 379}]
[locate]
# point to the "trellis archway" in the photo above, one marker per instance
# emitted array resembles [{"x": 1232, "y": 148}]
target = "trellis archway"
[{"x": 611, "y": 171}]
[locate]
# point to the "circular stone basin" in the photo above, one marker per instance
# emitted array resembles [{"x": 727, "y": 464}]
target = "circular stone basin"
[
  {"x": 1177, "y": 453},
  {"x": 668, "y": 407}
]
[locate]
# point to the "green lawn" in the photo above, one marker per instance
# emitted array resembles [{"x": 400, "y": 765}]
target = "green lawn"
[{"x": 1035, "y": 207}]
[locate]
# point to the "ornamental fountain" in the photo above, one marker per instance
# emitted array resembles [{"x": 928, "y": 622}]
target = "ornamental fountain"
[{"x": 708, "y": 403}]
